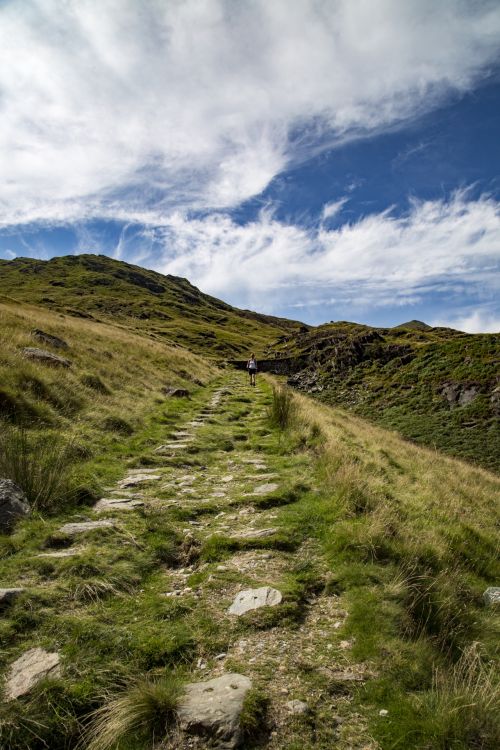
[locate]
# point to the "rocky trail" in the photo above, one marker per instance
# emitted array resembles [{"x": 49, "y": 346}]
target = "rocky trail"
[{"x": 269, "y": 664}]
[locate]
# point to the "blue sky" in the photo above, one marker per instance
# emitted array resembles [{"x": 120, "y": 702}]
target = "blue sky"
[{"x": 321, "y": 159}]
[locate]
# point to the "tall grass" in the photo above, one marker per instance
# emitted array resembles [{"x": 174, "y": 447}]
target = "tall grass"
[
  {"x": 463, "y": 707},
  {"x": 41, "y": 464},
  {"x": 283, "y": 410},
  {"x": 146, "y": 710}
]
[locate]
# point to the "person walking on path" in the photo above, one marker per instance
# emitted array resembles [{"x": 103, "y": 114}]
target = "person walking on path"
[{"x": 252, "y": 368}]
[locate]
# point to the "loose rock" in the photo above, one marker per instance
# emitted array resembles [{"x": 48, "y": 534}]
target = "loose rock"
[
  {"x": 492, "y": 596},
  {"x": 46, "y": 358},
  {"x": 28, "y": 670},
  {"x": 297, "y": 707},
  {"x": 251, "y": 599},
  {"x": 13, "y": 504},
  {"x": 257, "y": 533},
  {"x": 213, "y": 709}
]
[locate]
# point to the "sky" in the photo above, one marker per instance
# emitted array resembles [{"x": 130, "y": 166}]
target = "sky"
[{"x": 316, "y": 159}]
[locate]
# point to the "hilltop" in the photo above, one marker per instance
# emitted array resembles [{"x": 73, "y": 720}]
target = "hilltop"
[{"x": 167, "y": 308}]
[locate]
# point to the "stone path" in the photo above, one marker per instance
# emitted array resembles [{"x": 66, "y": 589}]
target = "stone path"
[{"x": 299, "y": 659}]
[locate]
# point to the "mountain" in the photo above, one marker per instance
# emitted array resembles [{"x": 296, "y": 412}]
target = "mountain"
[
  {"x": 167, "y": 308},
  {"x": 436, "y": 386}
]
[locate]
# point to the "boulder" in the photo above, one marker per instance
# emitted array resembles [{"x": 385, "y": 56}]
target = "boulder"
[
  {"x": 13, "y": 504},
  {"x": 212, "y": 709},
  {"x": 48, "y": 338},
  {"x": 71, "y": 529},
  {"x": 46, "y": 358},
  {"x": 492, "y": 596},
  {"x": 7, "y": 596},
  {"x": 172, "y": 392},
  {"x": 33, "y": 666},
  {"x": 251, "y": 599}
]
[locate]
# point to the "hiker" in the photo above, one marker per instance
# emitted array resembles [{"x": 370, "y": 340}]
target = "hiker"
[{"x": 252, "y": 368}]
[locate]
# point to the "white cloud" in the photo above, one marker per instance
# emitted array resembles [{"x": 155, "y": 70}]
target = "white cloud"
[
  {"x": 333, "y": 209},
  {"x": 438, "y": 248},
  {"x": 481, "y": 320},
  {"x": 110, "y": 107}
]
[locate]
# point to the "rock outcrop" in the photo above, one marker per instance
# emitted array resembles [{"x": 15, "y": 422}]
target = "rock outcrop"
[
  {"x": 50, "y": 339},
  {"x": 13, "y": 504},
  {"x": 46, "y": 358}
]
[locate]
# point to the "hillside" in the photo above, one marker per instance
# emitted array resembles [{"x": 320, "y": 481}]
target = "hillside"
[
  {"x": 329, "y": 573},
  {"x": 166, "y": 308},
  {"x": 436, "y": 386}
]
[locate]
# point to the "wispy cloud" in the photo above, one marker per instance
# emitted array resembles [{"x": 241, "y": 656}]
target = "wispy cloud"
[
  {"x": 122, "y": 109},
  {"x": 440, "y": 248}
]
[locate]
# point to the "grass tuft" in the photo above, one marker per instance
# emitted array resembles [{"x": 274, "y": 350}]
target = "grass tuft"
[
  {"x": 40, "y": 464},
  {"x": 283, "y": 410},
  {"x": 145, "y": 711}
]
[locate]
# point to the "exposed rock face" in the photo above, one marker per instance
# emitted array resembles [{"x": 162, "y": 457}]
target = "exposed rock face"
[
  {"x": 492, "y": 596},
  {"x": 48, "y": 338},
  {"x": 80, "y": 528},
  {"x": 7, "y": 596},
  {"x": 28, "y": 670},
  {"x": 175, "y": 392},
  {"x": 47, "y": 358},
  {"x": 213, "y": 709},
  {"x": 460, "y": 394},
  {"x": 251, "y": 599},
  {"x": 13, "y": 504}
]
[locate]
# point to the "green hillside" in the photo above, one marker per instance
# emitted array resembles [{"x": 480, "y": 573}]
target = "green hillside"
[
  {"x": 166, "y": 308},
  {"x": 436, "y": 386}
]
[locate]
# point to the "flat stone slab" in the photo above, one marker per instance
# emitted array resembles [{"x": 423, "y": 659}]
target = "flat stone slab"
[
  {"x": 117, "y": 503},
  {"x": 80, "y": 528},
  {"x": 7, "y": 596},
  {"x": 62, "y": 553},
  {"x": 33, "y": 666},
  {"x": 251, "y": 599},
  {"x": 264, "y": 489},
  {"x": 257, "y": 533},
  {"x": 135, "y": 479},
  {"x": 213, "y": 709},
  {"x": 170, "y": 447},
  {"x": 492, "y": 596}
]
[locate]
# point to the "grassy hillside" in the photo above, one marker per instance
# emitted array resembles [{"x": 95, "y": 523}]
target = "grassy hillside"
[
  {"x": 167, "y": 308},
  {"x": 436, "y": 386},
  {"x": 381, "y": 550},
  {"x": 98, "y": 403}
]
